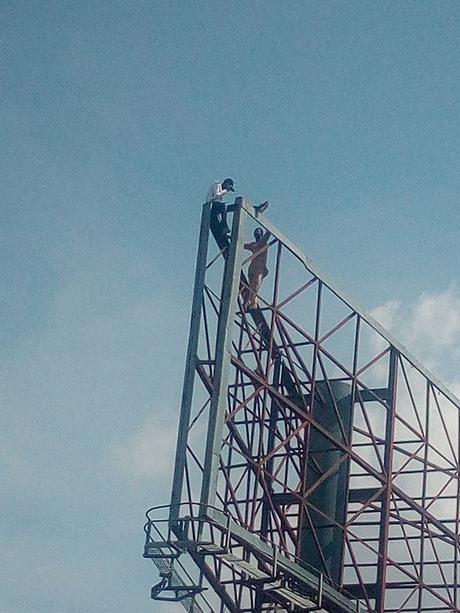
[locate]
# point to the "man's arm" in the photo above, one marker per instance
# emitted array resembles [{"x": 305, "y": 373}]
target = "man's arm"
[
  {"x": 217, "y": 191},
  {"x": 265, "y": 237}
]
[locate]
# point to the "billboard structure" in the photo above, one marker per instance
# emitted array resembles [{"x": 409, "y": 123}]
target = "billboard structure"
[{"x": 317, "y": 463}]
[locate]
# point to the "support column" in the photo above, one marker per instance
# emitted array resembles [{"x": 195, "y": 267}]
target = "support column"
[
  {"x": 322, "y": 538},
  {"x": 386, "y": 499},
  {"x": 190, "y": 364},
  {"x": 230, "y": 291}
]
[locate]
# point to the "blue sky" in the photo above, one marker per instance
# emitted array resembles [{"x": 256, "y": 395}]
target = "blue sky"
[{"x": 115, "y": 118}]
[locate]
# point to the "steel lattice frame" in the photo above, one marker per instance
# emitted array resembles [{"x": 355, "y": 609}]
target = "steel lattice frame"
[{"x": 252, "y": 381}]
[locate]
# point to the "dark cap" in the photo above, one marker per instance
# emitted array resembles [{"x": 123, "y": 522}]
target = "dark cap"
[{"x": 228, "y": 183}]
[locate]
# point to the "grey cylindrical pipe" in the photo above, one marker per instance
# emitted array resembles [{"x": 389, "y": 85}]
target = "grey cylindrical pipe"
[{"x": 322, "y": 544}]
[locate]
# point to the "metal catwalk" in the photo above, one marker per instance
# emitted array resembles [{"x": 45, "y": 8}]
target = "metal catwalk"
[{"x": 317, "y": 462}]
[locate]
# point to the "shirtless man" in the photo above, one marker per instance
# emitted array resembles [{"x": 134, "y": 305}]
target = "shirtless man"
[{"x": 257, "y": 270}]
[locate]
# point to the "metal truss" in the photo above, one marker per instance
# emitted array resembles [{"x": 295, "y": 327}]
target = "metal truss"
[{"x": 317, "y": 463}]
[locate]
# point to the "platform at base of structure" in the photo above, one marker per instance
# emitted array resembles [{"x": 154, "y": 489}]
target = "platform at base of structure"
[{"x": 239, "y": 557}]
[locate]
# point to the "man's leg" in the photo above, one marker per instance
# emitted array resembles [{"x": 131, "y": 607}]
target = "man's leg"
[
  {"x": 219, "y": 218},
  {"x": 245, "y": 297},
  {"x": 257, "y": 284},
  {"x": 214, "y": 221},
  {"x": 255, "y": 281},
  {"x": 223, "y": 219},
  {"x": 216, "y": 217}
]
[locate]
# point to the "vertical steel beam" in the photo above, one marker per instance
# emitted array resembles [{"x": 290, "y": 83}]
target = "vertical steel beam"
[
  {"x": 274, "y": 413},
  {"x": 190, "y": 364},
  {"x": 229, "y": 297},
  {"x": 423, "y": 523},
  {"x": 273, "y": 420},
  {"x": 386, "y": 499}
]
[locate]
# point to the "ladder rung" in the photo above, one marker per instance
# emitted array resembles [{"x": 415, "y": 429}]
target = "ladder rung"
[
  {"x": 294, "y": 597},
  {"x": 246, "y": 567}
]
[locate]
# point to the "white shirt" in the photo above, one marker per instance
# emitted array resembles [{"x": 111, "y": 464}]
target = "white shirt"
[{"x": 216, "y": 192}]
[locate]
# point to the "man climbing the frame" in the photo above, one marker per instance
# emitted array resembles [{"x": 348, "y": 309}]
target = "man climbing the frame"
[
  {"x": 257, "y": 270},
  {"x": 219, "y": 209}
]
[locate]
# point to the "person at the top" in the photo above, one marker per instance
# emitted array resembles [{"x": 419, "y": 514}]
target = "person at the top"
[{"x": 215, "y": 196}]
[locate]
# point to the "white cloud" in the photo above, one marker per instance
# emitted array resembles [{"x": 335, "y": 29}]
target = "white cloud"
[
  {"x": 429, "y": 328},
  {"x": 148, "y": 452},
  {"x": 436, "y": 319},
  {"x": 387, "y": 314}
]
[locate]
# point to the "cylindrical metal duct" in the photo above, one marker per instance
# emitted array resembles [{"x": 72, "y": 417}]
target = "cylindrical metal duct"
[{"x": 322, "y": 541}]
